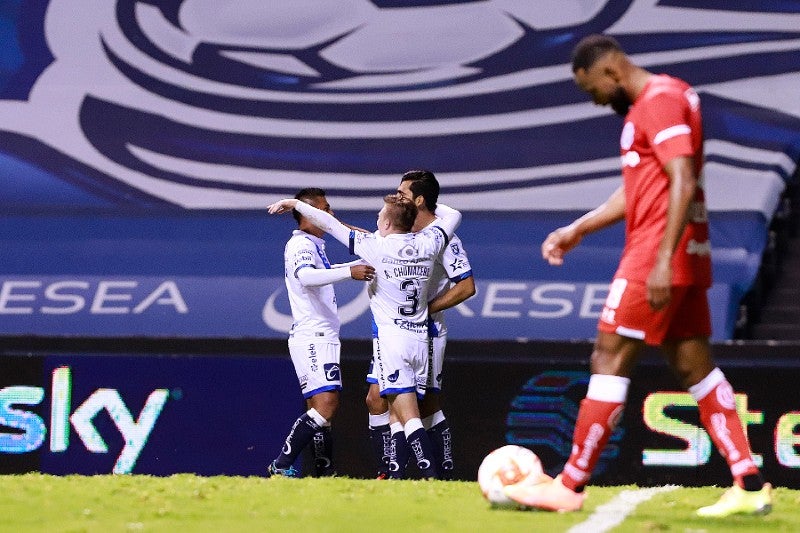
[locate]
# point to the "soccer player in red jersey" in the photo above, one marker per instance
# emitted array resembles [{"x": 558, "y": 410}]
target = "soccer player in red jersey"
[{"x": 658, "y": 294}]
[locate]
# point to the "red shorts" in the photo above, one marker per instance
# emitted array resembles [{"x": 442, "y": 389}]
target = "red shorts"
[{"x": 627, "y": 313}]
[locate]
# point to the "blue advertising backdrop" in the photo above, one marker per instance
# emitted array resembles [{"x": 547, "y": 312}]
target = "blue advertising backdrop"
[
  {"x": 156, "y": 414},
  {"x": 161, "y": 413},
  {"x": 140, "y": 141}
]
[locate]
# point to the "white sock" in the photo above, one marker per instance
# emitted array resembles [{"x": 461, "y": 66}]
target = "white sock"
[
  {"x": 707, "y": 384},
  {"x": 318, "y": 418},
  {"x": 379, "y": 420},
  {"x": 607, "y": 388},
  {"x": 435, "y": 418},
  {"x": 412, "y": 425}
]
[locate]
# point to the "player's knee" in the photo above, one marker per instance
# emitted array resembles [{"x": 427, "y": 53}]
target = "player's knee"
[
  {"x": 325, "y": 404},
  {"x": 376, "y": 405}
]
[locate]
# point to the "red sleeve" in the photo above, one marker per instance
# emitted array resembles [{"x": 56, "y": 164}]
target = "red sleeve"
[{"x": 668, "y": 127}]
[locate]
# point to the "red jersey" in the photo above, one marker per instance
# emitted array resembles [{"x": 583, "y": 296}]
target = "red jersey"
[{"x": 663, "y": 123}]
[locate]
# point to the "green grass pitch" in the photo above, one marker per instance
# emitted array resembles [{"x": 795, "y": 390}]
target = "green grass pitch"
[{"x": 185, "y": 502}]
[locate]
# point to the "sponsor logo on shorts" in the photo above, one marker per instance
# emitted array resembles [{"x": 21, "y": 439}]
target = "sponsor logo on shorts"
[{"x": 332, "y": 372}]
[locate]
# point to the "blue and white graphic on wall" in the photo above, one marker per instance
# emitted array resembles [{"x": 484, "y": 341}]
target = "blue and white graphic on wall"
[
  {"x": 255, "y": 307},
  {"x": 212, "y": 104}
]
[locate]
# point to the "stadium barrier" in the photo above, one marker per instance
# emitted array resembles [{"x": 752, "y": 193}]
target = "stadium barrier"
[{"x": 214, "y": 406}]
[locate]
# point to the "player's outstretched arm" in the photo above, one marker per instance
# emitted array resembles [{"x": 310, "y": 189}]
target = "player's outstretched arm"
[
  {"x": 359, "y": 269},
  {"x": 317, "y": 277},
  {"x": 282, "y": 206},
  {"x": 324, "y": 221},
  {"x": 450, "y": 218}
]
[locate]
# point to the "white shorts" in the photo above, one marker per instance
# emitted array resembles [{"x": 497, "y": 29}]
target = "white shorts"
[
  {"x": 316, "y": 363},
  {"x": 400, "y": 364},
  {"x": 436, "y": 346},
  {"x": 372, "y": 373}
]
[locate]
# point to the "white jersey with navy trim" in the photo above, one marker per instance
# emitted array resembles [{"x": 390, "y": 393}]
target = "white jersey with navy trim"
[
  {"x": 451, "y": 266},
  {"x": 403, "y": 265},
  {"x": 313, "y": 308}
]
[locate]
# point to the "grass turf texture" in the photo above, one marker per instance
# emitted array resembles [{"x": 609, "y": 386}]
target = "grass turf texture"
[{"x": 35, "y": 502}]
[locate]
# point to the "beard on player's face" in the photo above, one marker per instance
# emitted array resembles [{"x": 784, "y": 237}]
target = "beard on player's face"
[{"x": 619, "y": 101}]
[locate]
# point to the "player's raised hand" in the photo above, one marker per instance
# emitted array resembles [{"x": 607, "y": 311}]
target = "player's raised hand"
[
  {"x": 281, "y": 206},
  {"x": 558, "y": 243}
]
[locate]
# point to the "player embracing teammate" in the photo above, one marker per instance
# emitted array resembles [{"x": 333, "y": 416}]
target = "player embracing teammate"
[
  {"x": 314, "y": 345},
  {"x": 451, "y": 282},
  {"x": 403, "y": 261}
]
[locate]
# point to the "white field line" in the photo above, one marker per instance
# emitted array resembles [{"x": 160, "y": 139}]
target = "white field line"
[{"x": 614, "y": 512}]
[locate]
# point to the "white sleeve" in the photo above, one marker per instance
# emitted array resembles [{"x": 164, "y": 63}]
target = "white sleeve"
[
  {"x": 316, "y": 277},
  {"x": 349, "y": 264},
  {"x": 450, "y": 219},
  {"x": 325, "y": 221}
]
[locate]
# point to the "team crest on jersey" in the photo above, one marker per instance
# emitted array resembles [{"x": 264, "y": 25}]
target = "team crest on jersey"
[{"x": 407, "y": 251}]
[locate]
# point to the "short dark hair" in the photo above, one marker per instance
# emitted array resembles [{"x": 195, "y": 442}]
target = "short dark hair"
[
  {"x": 423, "y": 183},
  {"x": 401, "y": 211},
  {"x": 306, "y": 194},
  {"x": 591, "y": 48}
]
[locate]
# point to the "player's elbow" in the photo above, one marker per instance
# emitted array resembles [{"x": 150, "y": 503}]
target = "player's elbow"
[
  {"x": 468, "y": 288},
  {"x": 470, "y": 293}
]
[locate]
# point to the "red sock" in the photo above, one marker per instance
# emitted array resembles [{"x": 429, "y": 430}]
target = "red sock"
[
  {"x": 718, "y": 415},
  {"x": 595, "y": 424}
]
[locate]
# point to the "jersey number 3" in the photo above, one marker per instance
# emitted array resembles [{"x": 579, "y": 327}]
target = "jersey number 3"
[{"x": 412, "y": 295}]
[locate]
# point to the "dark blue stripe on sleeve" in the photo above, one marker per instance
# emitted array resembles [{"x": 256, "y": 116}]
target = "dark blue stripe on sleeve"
[{"x": 464, "y": 275}]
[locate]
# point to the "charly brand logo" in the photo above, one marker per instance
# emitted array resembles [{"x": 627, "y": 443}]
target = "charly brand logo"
[
  {"x": 29, "y": 429},
  {"x": 332, "y": 372},
  {"x": 230, "y": 108}
]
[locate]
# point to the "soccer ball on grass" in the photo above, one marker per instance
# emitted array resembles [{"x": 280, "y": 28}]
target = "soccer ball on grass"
[{"x": 508, "y": 465}]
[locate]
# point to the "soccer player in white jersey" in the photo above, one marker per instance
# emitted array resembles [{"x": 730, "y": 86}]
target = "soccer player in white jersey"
[
  {"x": 404, "y": 261},
  {"x": 314, "y": 337},
  {"x": 451, "y": 283}
]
